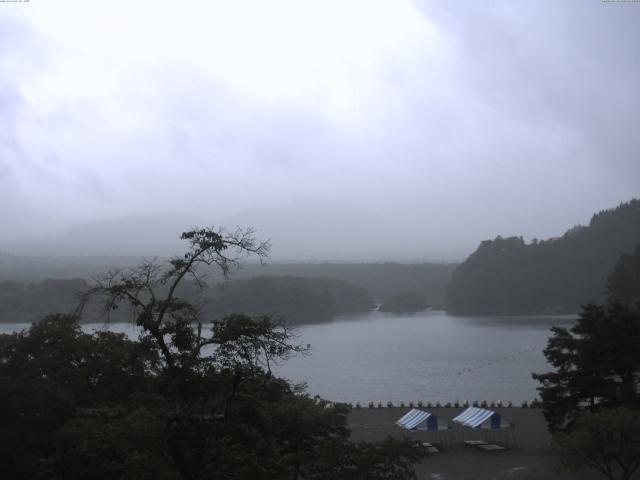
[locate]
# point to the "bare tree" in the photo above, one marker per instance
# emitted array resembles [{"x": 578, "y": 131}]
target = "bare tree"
[{"x": 151, "y": 289}]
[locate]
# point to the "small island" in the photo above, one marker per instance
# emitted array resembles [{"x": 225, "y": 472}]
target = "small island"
[{"x": 405, "y": 302}]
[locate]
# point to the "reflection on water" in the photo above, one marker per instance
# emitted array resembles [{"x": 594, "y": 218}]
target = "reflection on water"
[{"x": 429, "y": 356}]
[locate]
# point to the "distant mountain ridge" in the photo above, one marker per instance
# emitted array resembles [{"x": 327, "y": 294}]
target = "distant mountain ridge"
[
  {"x": 27, "y": 302},
  {"x": 382, "y": 280},
  {"x": 294, "y": 298},
  {"x": 508, "y": 276}
]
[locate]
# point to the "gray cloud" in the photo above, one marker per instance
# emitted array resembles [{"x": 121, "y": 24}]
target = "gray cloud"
[{"x": 525, "y": 124}]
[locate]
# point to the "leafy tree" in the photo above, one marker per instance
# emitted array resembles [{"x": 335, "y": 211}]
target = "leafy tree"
[
  {"x": 365, "y": 460},
  {"x": 591, "y": 400},
  {"x": 113, "y": 442},
  {"x": 597, "y": 364},
  {"x": 180, "y": 403},
  {"x": 558, "y": 275},
  {"x": 405, "y": 302},
  {"x": 607, "y": 441},
  {"x": 293, "y": 297},
  {"x": 26, "y": 302},
  {"x": 624, "y": 281},
  {"x": 51, "y": 370},
  {"x": 151, "y": 290}
]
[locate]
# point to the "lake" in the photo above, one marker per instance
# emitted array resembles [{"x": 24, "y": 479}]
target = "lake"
[{"x": 429, "y": 356}]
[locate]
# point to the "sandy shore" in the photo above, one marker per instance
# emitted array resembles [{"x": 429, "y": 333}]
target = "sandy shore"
[{"x": 528, "y": 454}]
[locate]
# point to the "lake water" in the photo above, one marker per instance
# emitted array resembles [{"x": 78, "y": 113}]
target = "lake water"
[{"x": 429, "y": 356}]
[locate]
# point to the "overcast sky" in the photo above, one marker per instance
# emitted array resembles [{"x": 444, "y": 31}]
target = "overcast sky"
[{"x": 342, "y": 130}]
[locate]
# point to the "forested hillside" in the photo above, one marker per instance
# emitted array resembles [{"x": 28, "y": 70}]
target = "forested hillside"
[
  {"x": 24, "y": 268},
  {"x": 27, "y": 302},
  {"x": 509, "y": 276},
  {"x": 382, "y": 280},
  {"x": 624, "y": 282},
  {"x": 292, "y": 297},
  {"x": 405, "y": 302}
]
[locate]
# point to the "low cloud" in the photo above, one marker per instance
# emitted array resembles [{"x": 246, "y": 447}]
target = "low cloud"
[{"x": 411, "y": 134}]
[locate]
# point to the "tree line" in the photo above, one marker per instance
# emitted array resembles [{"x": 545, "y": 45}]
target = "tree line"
[
  {"x": 190, "y": 399},
  {"x": 510, "y": 276},
  {"x": 591, "y": 399},
  {"x": 296, "y": 298}
]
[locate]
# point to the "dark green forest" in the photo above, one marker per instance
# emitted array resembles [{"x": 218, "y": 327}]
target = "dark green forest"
[
  {"x": 590, "y": 399},
  {"x": 298, "y": 291},
  {"x": 405, "y": 302},
  {"x": 99, "y": 406},
  {"x": 30, "y": 301},
  {"x": 624, "y": 281},
  {"x": 503, "y": 276},
  {"x": 382, "y": 280},
  {"x": 292, "y": 297},
  {"x": 191, "y": 399},
  {"x": 558, "y": 275}
]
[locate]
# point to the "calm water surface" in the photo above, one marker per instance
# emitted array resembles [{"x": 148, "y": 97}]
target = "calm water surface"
[{"x": 429, "y": 356}]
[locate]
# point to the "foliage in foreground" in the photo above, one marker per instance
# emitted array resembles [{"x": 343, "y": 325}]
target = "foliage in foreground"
[
  {"x": 78, "y": 405},
  {"x": 180, "y": 403},
  {"x": 592, "y": 400},
  {"x": 596, "y": 362},
  {"x": 607, "y": 441}
]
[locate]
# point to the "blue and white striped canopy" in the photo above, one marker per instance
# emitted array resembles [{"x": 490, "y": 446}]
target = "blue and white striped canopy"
[
  {"x": 475, "y": 417},
  {"x": 420, "y": 420}
]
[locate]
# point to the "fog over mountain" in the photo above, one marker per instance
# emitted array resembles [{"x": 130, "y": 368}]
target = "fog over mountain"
[{"x": 361, "y": 130}]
